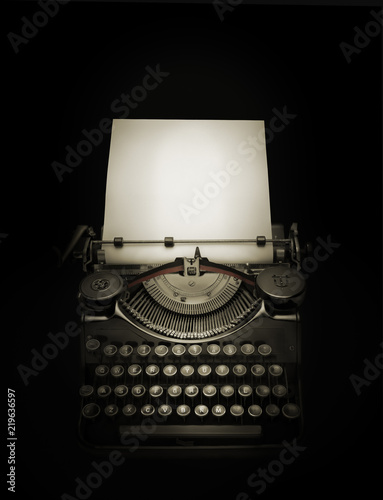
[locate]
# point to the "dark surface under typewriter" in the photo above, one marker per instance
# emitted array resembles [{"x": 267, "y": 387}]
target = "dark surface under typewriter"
[{"x": 191, "y": 355}]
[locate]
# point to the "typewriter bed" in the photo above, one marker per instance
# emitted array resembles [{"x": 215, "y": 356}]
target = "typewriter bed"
[{"x": 168, "y": 393}]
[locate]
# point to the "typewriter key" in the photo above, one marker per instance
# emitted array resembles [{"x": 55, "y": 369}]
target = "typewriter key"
[
  {"x": 126, "y": 350},
  {"x": 272, "y": 410},
  {"x": 195, "y": 349},
  {"x": 204, "y": 370},
  {"x": 239, "y": 370},
  {"x": 111, "y": 410},
  {"x": 147, "y": 410},
  {"x": 164, "y": 410},
  {"x": 222, "y": 370},
  {"x": 183, "y": 410},
  {"x": 229, "y": 349},
  {"x": 92, "y": 345},
  {"x": 169, "y": 370},
  {"x": 213, "y": 349},
  {"x": 201, "y": 410},
  {"x": 174, "y": 391},
  {"x": 255, "y": 411},
  {"x": 138, "y": 390},
  {"x": 129, "y": 410},
  {"x": 121, "y": 391},
  {"x": 291, "y": 410},
  {"x": 218, "y": 410},
  {"x": 264, "y": 350},
  {"x": 161, "y": 350},
  {"x": 227, "y": 391},
  {"x": 152, "y": 370},
  {"x": 91, "y": 410},
  {"x": 187, "y": 370},
  {"x": 247, "y": 349},
  {"x": 245, "y": 390},
  {"x": 236, "y": 410},
  {"x": 279, "y": 391},
  {"x": 258, "y": 370},
  {"x": 134, "y": 370},
  {"x": 103, "y": 391},
  {"x": 86, "y": 391},
  {"x": 262, "y": 391},
  {"x": 275, "y": 370},
  {"x": 143, "y": 350},
  {"x": 117, "y": 371},
  {"x": 110, "y": 350},
  {"x": 191, "y": 391},
  {"x": 156, "y": 391},
  {"x": 178, "y": 349},
  {"x": 101, "y": 370},
  {"x": 209, "y": 391}
]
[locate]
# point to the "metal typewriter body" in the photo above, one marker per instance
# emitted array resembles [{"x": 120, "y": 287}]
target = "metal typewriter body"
[{"x": 191, "y": 354}]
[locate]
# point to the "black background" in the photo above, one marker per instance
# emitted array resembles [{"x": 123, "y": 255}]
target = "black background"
[{"x": 324, "y": 173}]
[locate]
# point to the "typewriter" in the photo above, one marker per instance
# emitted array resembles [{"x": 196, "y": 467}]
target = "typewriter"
[{"x": 190, "y": 353}]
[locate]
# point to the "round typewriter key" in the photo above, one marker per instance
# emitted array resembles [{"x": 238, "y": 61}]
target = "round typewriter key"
[
  {"x": 161, "y": 350},
  {"x": 101, "y": 370},
  {"x": 148, "y": 409},
  {"x": 111, "y": 410},
  {"x": 236, "y": 410},
  {"x": 262, "y": 391},
  {"x": 218, "y": 410},
  {"x": 91, "y": 410},
  {"x": 178, "y": 349},
  {"x": 152, "y": 370},
  {"x": 264, "y": 350},
  {"x": 245, "y": 390},
  {"x": 103, "y": 391},
  {"x": 201, "y": 410},
  {"x": 227, "y": 391},
  {"x": 275, "y": 370},
  {"x": 195, "y": 349},
  {"x": 213, "y": 349},
  {"x": 110, "y": 350},
  {"x": 134, "y": 370},
  {"x": 121, "y": 391},
  {"x": 279, "y": 391},
  {"x": 187, "y": 370},
  {"x": 164, "y": 410},
  {"x": 291, "y": 410},
  {"x": 255, "y": 411},
  {"x": 156, "y": 391},
  {"x": 209, "y": 391},
  {"x": 143, "y": 350},
  {"x": 191, "y": 391},
  {"x": 258, "y": 370},
  {"x": 272, "y": 410},
  {"x": 138, "y": 390},
  {"x": 129, "y": 410},
  {"x": 92, "y": 345},
  {"x": 204, "y": 370},
  {"x": 117, "y": 370},
  {"x": 229, "y": 349},
  {"x": 183, "y": 410},
  {"x": 86, "y": 391},
  {"x": 247, "y": 349},
  {"x": 222, "y": 370},
  {"x": 239, "y": 370},
  {"x": 170, "y": 370},
  {"x": 174, "y": 391},
  {"x": 126, "y": 350}
]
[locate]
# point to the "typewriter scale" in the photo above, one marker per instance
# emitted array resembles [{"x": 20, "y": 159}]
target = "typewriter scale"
[
  {"x": 191, "y": 330},
  {"x": 192, "y": 353}
]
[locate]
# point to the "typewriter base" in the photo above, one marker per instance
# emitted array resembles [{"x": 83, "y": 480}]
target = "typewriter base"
[{"x": 138, "y": 431}]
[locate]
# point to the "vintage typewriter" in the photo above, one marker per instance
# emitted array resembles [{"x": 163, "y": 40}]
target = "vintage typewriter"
[{"x": 190, "y": 353}]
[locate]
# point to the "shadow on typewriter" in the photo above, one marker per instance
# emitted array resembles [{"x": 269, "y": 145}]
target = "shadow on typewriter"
[{"x": 191, "y": 355}]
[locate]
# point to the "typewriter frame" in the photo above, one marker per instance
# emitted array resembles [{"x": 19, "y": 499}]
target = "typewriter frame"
[{"x": 264, "y": 325}]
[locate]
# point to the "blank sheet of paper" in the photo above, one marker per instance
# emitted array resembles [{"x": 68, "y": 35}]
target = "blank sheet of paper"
[{"x": 189, "y": 180}]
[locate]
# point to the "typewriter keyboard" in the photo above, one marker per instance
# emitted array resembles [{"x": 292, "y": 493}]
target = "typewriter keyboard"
[{"x": 202, "y": 392}]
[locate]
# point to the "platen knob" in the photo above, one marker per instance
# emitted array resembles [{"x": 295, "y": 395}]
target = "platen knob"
[
  {"x": 99, "y": 289},
  {"x": 282, "y": 285}
]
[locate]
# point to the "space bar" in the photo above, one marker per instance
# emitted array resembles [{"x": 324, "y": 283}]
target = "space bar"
[{"x": 226, "y": 431}]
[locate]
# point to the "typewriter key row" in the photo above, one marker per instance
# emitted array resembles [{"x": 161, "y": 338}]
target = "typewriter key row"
[
  {"x": 289, "y": 410},
  {"x": 144, "y": 350},
  {"x": 203, "y": 370}
]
